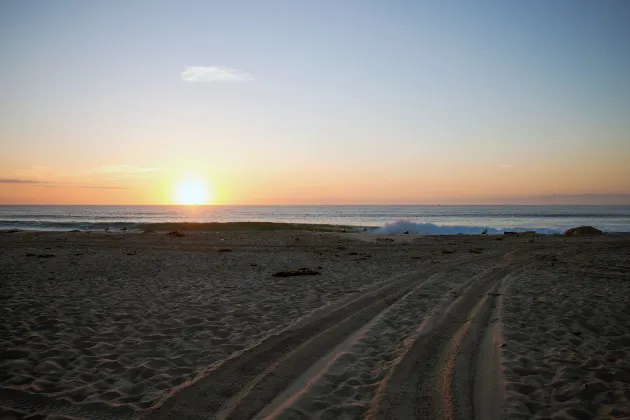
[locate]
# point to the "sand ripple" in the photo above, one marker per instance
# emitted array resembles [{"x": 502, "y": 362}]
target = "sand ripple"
[
  {"x": 106, "y": 327},
  {"x": 568, "y": 342}
]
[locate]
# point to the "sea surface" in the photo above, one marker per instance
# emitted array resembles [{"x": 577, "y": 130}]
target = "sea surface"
[{"x": 389, "y": 219}]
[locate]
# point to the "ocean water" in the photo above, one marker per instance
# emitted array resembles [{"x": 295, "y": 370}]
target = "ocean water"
[{"x": 389, "y": 219}]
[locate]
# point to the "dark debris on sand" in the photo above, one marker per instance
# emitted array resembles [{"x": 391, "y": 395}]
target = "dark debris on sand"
[
  {"x": 177, "y": 234},
  {"x": 298, "y": 272}
]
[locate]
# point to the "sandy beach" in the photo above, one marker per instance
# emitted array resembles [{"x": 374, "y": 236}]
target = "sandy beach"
[{"x": 156, "y": 326}]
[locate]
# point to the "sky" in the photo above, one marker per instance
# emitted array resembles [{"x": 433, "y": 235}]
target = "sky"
[{"x": 314, "y": 101}]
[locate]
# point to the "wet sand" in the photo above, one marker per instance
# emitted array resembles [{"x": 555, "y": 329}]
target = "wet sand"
[{"x": 117, "y": 326}]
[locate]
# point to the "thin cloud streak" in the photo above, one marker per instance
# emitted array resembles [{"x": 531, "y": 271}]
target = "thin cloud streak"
[
  {"x": 121, "y": 169},
  {"x": 97, "y": 187},
  {"x": 19, "y": 181},
  {"x": 199, "y": 74},
  {"x": 50, "y": 185}
]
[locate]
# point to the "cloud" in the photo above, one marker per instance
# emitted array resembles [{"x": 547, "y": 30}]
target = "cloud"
[
  {"x": 32, "y": 172},
  {"x": 505, "y": 166},
  {"x": 121, "y": 169},
  {"x": 19, "y": 181},
  {"x": 214, "y": 74},
  {"x": 97, "y": 187},
  {"x": 115, "y": 172},
  {"x": 50, "y": 185}
]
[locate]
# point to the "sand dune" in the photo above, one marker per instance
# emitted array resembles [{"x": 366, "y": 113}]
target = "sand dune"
[{"x": 153, "y": 326}]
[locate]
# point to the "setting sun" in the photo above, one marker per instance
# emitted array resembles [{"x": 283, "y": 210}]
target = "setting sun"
[{"x": 191, "y": 193}]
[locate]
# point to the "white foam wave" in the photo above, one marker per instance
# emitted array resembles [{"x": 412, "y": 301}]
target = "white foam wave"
[{"x": 403, "y": 226}]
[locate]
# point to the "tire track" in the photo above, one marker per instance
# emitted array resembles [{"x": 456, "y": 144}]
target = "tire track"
[
  {"x": 242, "y": 386},
  {"x": 435, "y": 378},
  {"x": 351, "y": 359}
]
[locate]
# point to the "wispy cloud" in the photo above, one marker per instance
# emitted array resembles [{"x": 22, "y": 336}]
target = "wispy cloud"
[
  {"x": 19, "y": 181},
  {"x": 36, "y": 171},
  {"x": 98, "y": 187},
  {"x": 52, "y": 185},
  {"x": 505, "y": 166},
  {"x": 214, "y": 74},
  {"x": 121, "y": 169}
]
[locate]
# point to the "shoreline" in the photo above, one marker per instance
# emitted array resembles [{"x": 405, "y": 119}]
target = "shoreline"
[
  {"x": 189, "y": 227},
  {"x": 384, "y": 219},
  {"x": 198, "y": 227}
]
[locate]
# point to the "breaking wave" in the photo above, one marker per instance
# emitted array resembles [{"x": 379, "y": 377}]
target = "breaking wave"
[
  {"x": 397, "y": 227},
  {"x": 403, "y": 226}
]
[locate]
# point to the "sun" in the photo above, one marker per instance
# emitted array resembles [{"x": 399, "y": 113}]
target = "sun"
[{"x": 191, "y": 193}]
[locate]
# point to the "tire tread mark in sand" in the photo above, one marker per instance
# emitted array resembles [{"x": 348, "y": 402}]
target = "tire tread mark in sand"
[
  {"x": 205, "y": 397},
  {"x": 317, "y": 370},
  {"x": 421, "y": 385},
  {"x": 458, "y": 378},
  {"x": 489, "y": 393},
  {"x": 291, "y": 365}
]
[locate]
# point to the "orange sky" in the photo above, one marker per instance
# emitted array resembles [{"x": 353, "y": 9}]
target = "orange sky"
[
  {"x": 313, "y": 102},
  {"x": 355, "y": 184}
]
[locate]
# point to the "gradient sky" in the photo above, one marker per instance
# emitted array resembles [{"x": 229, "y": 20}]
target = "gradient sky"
[{"x": 313, "y": 102}]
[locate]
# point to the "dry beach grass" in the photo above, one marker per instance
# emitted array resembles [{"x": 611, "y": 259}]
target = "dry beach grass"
[{"x": 154, "y": 326}]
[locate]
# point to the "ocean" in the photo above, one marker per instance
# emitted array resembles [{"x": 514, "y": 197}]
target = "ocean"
[{"x": 388, "y": 219}]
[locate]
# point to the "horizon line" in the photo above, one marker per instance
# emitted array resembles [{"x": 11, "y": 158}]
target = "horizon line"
[{"x": 317, "y": 205}]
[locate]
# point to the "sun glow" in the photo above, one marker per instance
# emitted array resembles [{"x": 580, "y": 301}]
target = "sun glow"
[{"x": 191, "y": 193}]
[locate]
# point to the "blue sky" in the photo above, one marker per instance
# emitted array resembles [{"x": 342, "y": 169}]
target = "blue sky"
[{"x": 430, "y": 99}]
